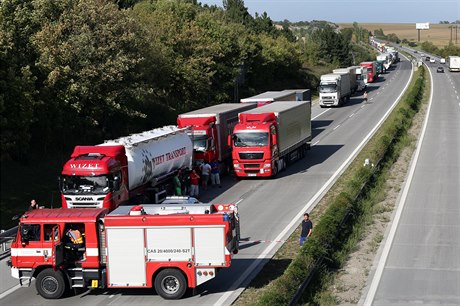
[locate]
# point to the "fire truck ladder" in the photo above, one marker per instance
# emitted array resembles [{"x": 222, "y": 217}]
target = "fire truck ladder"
[
  {"x": 26, "y": 274},
  {"x": 76, "y": 277}
]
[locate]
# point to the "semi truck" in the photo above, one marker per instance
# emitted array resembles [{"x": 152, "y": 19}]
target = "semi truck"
[
  {"x": 268, "y": 138},
  {"x": 352, "y": 71},
  {"x": 361, "y": 77},
  {"x": 386, "y": 60},
  {"x": 133, "y": 169},
  {"x": 371, "y": 71},
  {"x": 209, "y": 128},
  {"x": 283, "y": 95},
  {"x": 334, "y": 89},
  {"x": 453, "y": 63},
  {"x": 169, "y": 247}
]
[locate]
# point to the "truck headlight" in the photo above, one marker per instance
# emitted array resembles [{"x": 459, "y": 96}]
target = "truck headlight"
[
  {"x": 236, "y": 166},
  {"x": 267, "y": 165}
]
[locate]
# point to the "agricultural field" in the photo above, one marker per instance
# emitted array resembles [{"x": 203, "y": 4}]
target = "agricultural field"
[{"x": 438, "y": 34}]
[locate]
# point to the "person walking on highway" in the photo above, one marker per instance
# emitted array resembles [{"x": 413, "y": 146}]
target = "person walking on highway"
[
  {"x": 215, "y": 173},
  {"x": 365, "y": 96},
  {"x": 194, "y": 184},
  {"x": 307, "y": 227}
]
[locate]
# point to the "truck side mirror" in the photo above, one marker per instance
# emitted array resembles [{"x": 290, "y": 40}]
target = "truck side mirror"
[
  {"x": 274, "y": 140},
  {"x": 116, "y": 183}
]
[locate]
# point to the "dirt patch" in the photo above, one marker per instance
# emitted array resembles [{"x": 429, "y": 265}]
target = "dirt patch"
[{"x": 351, "y": 279}]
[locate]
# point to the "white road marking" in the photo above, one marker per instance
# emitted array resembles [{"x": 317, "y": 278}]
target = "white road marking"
[
  {"x": 11, "y": 290},
  {"x": 315, "y": 143},
  {"x": 320, "y": 114},
  {"x": 351, "y": 115},
  {"x": 336, "y": 127},
  {"x": 386, "y": 250}
]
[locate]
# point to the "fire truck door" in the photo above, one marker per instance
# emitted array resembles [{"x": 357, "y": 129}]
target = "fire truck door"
[
  {"x": 58, "y": 246},
  {"x": 209, "y": 246},
  {"x": 126, "y": 257}
]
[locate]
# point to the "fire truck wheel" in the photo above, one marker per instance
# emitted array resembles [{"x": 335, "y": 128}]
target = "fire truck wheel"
[
  {"x": 51, "y": 284},
  {"x": 170, "y": 284}
]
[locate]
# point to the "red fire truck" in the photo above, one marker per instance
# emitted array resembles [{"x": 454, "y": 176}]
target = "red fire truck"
[{"x": 170, "y": 247}]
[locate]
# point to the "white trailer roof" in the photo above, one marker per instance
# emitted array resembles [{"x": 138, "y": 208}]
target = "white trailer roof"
[
  {"x": 133, "y": 139},
  {"x": 215, "y": 109},
  {"x": 268, "y": 96},
  {"x": 278, "y": 106}
]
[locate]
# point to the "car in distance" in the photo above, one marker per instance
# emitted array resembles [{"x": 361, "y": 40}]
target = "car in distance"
[
  {"x": 427, "y": 58},
  {"x": 442, "y": 60},
  {"x": 440, "y": 69},
  {"x": 432, "y": 60}
]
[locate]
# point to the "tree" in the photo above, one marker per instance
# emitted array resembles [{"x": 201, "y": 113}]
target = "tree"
[
  {"x": 18, "y": 94},
  {"x": 91, "y": 54}
]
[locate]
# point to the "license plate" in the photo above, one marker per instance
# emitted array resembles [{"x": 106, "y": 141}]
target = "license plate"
[{"x": 252, "y": 174}]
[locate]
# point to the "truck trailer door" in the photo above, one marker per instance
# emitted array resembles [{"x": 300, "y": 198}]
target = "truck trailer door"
[{"x": 125, "y": 257}]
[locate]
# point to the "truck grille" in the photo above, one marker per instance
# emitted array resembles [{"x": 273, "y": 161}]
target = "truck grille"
[
  {"x": 247, "y": 166},
  {"x": 251, "y": 155}
]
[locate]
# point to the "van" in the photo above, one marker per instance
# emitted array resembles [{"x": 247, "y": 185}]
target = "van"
[{"x": 442, "y": 60}]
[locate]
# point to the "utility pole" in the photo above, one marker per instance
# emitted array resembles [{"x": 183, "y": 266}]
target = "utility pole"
[{"x": 451, "y": 28}]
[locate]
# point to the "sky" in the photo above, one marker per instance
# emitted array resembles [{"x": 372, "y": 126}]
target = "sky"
[{"x": 361, "y": 11}]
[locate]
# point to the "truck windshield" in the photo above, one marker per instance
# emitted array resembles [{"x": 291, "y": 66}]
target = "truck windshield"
[
  {"x": 72, "y": 184},
  {"x": 199, "y": 143},
  {"x": 251, "y": 139},
  {"x": 326, "y": 88}
]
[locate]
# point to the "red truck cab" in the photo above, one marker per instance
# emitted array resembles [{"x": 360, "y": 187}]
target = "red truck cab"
[
  {"x": 257, "y": 131},
  {"x": 95, "y": 176},
  {"x": 371, "y": 71}
]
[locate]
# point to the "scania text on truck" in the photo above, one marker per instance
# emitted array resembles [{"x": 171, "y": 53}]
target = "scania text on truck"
[
  {"x": 268, "y": 138},
  {"x": 334, "y": 89},
  {"x": 283, "y": 95},
  {"x": 453, "y": 62},
  {"x": 170, "y": 247},
  {"x": 371, "y": 71},
  {"x": 352, "y": 71},
  {"x": 133, "y": 169},
  {"x": 209, "y": 130}
]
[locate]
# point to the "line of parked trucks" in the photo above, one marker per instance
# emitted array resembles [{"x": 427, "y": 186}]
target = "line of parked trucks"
[
  {"x": 171, "y": 247},
  {"x": 337, "y": 87}
]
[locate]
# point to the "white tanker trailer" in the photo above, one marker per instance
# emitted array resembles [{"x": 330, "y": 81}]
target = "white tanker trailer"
[{"x": 132, "y": 169}]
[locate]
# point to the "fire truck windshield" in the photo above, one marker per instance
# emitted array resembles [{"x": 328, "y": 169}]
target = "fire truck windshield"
[
  {"x": 250, "y": 139},
  {"x": 72, "y": 184},
  {"x": 199, "y": 143}
]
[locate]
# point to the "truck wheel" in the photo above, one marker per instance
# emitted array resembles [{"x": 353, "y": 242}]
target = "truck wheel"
[
  {"x": 51, "y": 284},
  {"x": 170, "y": 284}
]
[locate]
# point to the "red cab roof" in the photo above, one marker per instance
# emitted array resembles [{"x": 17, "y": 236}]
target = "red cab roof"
[{"x": 63, "y": 215}]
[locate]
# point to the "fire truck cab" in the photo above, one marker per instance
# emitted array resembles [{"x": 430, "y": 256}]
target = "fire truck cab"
[{"x": 170, "y": 247}]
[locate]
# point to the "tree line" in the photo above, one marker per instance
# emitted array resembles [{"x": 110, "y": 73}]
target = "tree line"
[{"x": 80, "y": 71}]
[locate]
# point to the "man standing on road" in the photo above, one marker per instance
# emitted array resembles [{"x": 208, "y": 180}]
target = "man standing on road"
[
  {"x": 215, "y": 173},
  {"x": 205, "y": 172},
  {"x": 307, "y": 227}
]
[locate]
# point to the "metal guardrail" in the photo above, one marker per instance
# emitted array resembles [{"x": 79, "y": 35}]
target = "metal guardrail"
[{"x": 5, "y": 238}]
